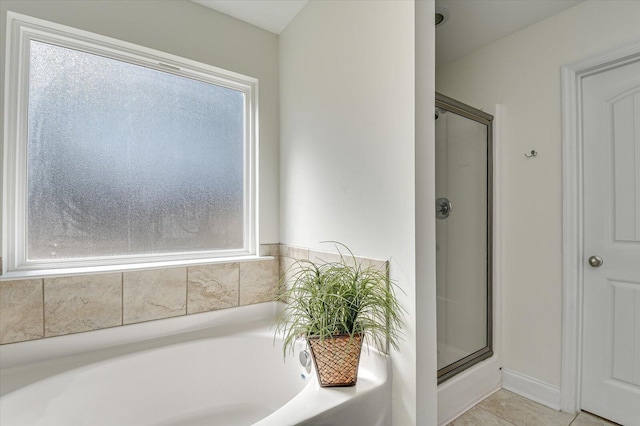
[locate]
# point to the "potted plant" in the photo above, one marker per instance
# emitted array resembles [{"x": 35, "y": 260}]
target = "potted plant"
[{"x": 337, "y": 306}]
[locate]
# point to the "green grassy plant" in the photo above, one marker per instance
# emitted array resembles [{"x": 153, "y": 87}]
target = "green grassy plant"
[{"x": 325, "y": 299}]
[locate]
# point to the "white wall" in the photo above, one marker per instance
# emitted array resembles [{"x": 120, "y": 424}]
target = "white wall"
[
  {"x": 522, "y": 71},
  {"x": 347, "y": 152},
  {"x": 192, "y": 31}
]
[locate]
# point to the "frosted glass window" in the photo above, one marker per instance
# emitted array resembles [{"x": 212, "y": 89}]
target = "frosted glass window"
[{"x": 128, "y": 160}]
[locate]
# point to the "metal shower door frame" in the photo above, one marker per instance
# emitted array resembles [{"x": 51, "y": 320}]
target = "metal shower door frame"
[{"x": 458, "y": 108}]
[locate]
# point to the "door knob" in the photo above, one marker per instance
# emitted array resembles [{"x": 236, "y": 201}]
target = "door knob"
[{"x": 595, "y": 261}]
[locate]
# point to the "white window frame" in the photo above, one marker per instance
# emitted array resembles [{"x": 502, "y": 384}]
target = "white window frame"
[{"x": 21, "y": 30}]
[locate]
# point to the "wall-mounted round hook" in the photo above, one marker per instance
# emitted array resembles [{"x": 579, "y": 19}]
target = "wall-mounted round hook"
[{"x": 533, "y": 153}]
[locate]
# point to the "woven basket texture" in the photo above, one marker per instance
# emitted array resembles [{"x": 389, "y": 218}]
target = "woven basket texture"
[{"x": 336, "y": 359}]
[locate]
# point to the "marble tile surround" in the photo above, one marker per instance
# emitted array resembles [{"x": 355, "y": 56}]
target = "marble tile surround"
[
  {"x": 153, "y": 294},
  {"x": 211, "y": 287},
  {"x": 55, "y": 306},
  {"x": 288, "y": 256},
  {"x": 82, "y": 303},
  {"x": 258, "y": 281},
  {"x": 21, "y": 310}
]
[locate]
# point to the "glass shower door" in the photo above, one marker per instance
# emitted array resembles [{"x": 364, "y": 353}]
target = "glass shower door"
[{"x": 463, "y": 235}]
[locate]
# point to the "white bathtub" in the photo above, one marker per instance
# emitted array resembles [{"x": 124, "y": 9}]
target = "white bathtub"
[{"x": 218, "y": 368}]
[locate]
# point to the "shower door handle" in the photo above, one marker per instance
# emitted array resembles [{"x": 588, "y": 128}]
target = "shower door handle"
[{"x": 443, "y": 208}]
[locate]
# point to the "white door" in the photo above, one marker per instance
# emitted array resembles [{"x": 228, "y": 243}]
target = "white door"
[{"x": 611, "y": 310}]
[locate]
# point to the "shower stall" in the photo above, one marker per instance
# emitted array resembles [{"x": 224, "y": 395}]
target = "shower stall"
[{"x": 463, "y": 235}]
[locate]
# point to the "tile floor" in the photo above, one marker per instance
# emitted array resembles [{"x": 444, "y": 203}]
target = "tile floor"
[{"x": 505, "y": 408}]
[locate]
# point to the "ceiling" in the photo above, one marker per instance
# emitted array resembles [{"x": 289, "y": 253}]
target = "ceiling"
[
  {"x": 270, "y": 15},
  {"x": 475, "y": 23},
  {"x": 471, "y": 23}
]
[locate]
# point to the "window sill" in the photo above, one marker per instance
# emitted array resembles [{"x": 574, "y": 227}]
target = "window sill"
[{"x": 45, "y": 273}]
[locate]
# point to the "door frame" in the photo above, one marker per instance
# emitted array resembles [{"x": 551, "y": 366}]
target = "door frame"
[{"x": 573, "y": 255}]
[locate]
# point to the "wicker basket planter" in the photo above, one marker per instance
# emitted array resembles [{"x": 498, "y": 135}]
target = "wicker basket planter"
[
  {"x": 335, "y": 305},
  {"x": 336, "y": 359}
]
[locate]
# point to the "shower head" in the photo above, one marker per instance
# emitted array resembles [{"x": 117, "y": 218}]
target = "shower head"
[{"x": 440, "y": 111}]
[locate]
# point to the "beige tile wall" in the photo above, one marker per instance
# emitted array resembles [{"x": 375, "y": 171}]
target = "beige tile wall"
[
  {"x": 153, "y": 294},
  {"x": 21, "y": 310},
  {"x": 289, "y": 255},
  {"x": 259, "y": 283},
  {"x": 37, "y": 308},
  {"x": 82, "y": 303},
  {"x": 211, "y": 287}
]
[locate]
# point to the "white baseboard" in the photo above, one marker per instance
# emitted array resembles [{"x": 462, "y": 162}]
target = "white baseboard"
[{"x": 531, "y": 388}]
